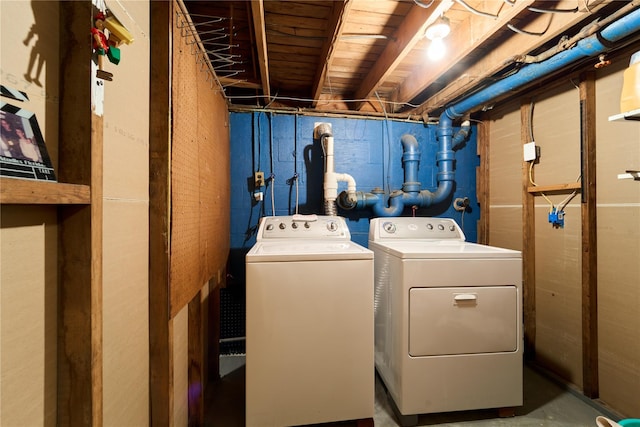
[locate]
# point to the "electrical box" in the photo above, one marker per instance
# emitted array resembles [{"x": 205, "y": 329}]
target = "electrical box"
[
  {"x": 530, "y": 152},
  {"x": 556, "y": 219},
  {"x": 258, "y": 179}
]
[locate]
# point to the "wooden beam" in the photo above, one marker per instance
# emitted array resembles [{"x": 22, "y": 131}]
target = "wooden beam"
[
  {"x": 160, "y": 326},
  {"x": 556, "y": 188},
  {"x": 528, "y": 246},
  {"x": 80, "y": 394},
  {"x": 589, "y": 237},
  {"x": 334, "y": 31},
  {"x": 408, "y": 34},
  {"x": 259, "y": 29}
]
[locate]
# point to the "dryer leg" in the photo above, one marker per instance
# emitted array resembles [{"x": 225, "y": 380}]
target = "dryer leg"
[
  {"x": 507, "y": 412},
  {"x": 403, "y": 420}
]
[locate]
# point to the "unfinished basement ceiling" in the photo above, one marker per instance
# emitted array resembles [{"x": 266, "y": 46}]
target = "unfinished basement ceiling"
[{"x": 369, "y": 56}]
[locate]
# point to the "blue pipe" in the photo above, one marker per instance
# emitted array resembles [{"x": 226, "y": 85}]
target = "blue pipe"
[
  {"x": 590, "y": 46},
  {"x": 587, "y": 47},
  {"x": 411, "y": 195},
  {"x": 410, "y": 162}
]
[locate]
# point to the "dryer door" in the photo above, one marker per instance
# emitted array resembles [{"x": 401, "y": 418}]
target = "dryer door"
[{"x": 469, "y": 320}]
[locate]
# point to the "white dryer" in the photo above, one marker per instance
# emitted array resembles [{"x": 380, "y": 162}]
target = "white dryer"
[
  {"x": 448, "y": 318},
  {"x": 309, "y": 330}
]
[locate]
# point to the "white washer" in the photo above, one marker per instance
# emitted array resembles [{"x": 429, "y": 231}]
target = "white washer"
[
  {"x": 309, "y": 330},
  {"x": 448, "y": 318}
]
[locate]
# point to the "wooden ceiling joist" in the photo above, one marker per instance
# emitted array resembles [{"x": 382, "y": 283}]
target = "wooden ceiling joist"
[
  {"x": 409, "y": 33},
  {"x": 364, "y": 54},
  {"x": 259, "y": 28},
  {"x": 335, "y": 29}
]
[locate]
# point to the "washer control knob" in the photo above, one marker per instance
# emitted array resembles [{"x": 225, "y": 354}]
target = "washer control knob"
[
  {"x": 306, "y": 224},
  {"x": 294, "y": 225},
  {"x": 332, "y": 226},
  {"x": 389, "y": 227},
  {"x": 429, "y": 226},
  {"x": 282, "y": 226},
  {"x": 440, "y": 227},
  {"x": 452, "y": 228},
  {"x": 269, "y": 227}
]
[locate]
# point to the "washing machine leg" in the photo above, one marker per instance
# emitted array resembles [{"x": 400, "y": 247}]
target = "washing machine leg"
[
  {"x": 365, "y": 422},
  {"x": 506, "y": 412}
]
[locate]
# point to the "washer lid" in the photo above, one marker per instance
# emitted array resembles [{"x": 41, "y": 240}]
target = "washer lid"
[
  {"x": 307, "y": 250},
  {"x": 417, "y": 249}
]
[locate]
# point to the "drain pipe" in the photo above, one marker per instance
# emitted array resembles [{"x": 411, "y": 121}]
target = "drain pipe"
[
  {"x": 411, "y": 195},
  {"x": 590, "y": 46},
  {"x": 324, "y": 133}
]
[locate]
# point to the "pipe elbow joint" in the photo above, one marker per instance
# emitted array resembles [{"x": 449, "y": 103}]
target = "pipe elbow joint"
[
  {"x": 347, "y": 201},
  {"x": 462, "y": 135},
  {"x": 323, "y": 130},
  {"x": 410, "y": 149},
  {"x": 395, "y": 208},
  {"x": 356, "y": 200},
  {"x": 444, "y": 190}
]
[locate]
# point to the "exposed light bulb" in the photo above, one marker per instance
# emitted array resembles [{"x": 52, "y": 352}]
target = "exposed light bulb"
[
  {"x": 439, "y": 29},
  {"x": 436, "y": 50}
]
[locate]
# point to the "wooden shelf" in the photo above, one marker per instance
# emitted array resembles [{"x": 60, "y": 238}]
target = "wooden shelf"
[
  {"x": 32, "y": 192},
  {"x": 557, "y": 188},
  {"x": 629, "y": 115}
]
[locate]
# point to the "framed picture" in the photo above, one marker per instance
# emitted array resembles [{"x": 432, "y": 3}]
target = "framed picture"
[{"x": 23, "y": 153}]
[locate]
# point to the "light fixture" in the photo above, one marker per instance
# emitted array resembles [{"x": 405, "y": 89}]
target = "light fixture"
[
  {"x": 435, "y": 33},
  {"x": 439, "y": 29}
]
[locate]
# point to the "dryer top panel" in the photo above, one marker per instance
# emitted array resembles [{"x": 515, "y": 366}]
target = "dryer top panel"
[
  {"x": 414, "y": 228},
  {"x": 441, "y": 249}
]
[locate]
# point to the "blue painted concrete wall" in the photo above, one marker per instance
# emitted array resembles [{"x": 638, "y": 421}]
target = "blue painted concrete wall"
[{"x": 283, "y": 147}]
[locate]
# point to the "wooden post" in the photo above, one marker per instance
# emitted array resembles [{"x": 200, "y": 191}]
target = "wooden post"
[
  {"x": 160, "y": 325},
  {"x": 589, "y": 236},
  {"x": 80, "y": 228},
  {"x": 482, "y": 181},
  {"x": 195, "y": 370},
  {"x": 528, "y": 246},
  {"x": 214, "y": 330}
]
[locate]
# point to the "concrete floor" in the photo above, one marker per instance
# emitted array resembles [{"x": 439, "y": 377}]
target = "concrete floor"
[{"x": 546, "y": 404}]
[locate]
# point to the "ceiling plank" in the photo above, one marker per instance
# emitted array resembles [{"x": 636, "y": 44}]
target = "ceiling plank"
[
  {"x": 495, "y": 60},
  {"x": 408, "y": 34},
  {"x": 259, "y": 28},
  {"x": 335, "y": 28}
]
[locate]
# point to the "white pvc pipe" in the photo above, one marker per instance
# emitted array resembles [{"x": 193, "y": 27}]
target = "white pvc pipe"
[{"x": 331, "y": 178}]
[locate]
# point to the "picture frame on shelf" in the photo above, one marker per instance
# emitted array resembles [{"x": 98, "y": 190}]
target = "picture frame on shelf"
[{"x": 23, "y": 153}]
